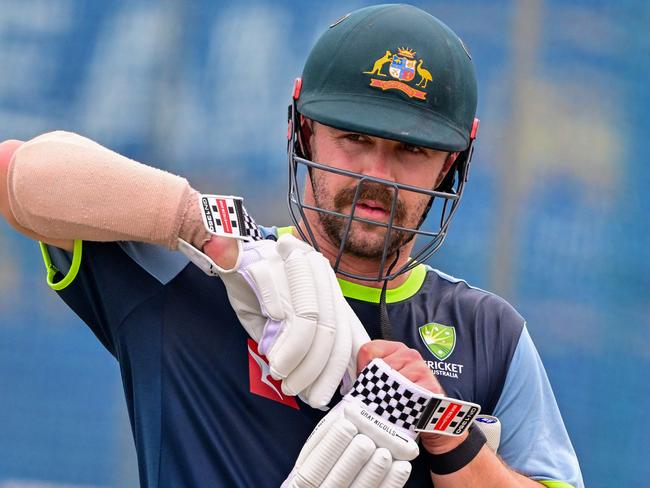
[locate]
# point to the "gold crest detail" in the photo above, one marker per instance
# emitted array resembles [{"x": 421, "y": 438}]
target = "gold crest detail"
[{"x": 403, "y": 66}]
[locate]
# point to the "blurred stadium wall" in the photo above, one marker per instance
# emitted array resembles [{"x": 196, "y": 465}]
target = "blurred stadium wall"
[{"x": 555, "y": 218}]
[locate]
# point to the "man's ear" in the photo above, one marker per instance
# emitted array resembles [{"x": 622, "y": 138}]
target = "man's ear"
[
  {"x": 449, "y": 162},
  {"x": 306, "y": 126},
  {"x": 305, "y": 134}
]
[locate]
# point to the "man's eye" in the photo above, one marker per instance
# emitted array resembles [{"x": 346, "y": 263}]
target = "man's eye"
[
  {"x": 413, "y": 149},
  {"x": 354, "y": 137}
]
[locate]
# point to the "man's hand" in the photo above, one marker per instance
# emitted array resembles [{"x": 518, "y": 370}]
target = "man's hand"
[
  {"x": 409, "y": 363},
  {"x": 406, "y": 361},
  {"x": 287, "y": 298},
  {"x": 223, "y": 250}
]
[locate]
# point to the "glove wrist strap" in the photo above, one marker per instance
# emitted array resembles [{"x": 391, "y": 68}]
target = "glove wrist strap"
[
  {"x": 409, "y": 406},
  {"x": 460, "y": 456},
  {"x": 225, "y": 215},
  {"x": 390, "y": 395}
]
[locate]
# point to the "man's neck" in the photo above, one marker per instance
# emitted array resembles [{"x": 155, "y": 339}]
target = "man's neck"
[{"x": 356, "y": 265}]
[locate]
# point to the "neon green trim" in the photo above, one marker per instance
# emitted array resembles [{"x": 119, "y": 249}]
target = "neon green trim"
[
  {"x": 53, "y": 270},
  {"x": 370, "y": 294},
  {"x": 555, "y": 484},
  {"x": 285, "y": 230}
]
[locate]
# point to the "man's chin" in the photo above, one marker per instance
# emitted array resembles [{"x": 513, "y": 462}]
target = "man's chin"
[
  {"x": 368, "y": 247},
  {"x": 364, "y": 241}
]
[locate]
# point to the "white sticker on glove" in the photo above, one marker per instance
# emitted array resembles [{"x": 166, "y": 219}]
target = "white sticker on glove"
[
  {"x": 447, "y": 416},
  {"x": 226, "y": 216}
]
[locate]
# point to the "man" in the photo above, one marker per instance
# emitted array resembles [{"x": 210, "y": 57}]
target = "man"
[{"x": 381, "y": 125}]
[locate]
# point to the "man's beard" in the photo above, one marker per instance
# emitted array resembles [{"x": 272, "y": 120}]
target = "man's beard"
[{"x": 356, "y": 243}]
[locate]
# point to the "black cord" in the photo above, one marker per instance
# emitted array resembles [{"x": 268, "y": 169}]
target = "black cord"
[{"x": 384, "y": 321}]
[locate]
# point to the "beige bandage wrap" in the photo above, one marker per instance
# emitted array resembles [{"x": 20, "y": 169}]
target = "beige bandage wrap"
[{"x": 64, "y": 186}]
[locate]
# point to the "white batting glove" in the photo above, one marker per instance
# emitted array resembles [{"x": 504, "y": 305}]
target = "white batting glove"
[
  {"x": 286, "y": 296},
  {"x": 368, "y": 439}
]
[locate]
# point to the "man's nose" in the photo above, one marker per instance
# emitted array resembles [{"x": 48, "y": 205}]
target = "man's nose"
[{"x": 379, "y": 163}]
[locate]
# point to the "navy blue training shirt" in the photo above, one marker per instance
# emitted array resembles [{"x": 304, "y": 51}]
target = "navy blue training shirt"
[{"x": 204, "y": 413}]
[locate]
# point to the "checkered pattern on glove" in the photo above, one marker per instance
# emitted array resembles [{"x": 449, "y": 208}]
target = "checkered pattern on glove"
[
  {"x": 251, "y": 229},
  {"x": 389, "y": 397}
]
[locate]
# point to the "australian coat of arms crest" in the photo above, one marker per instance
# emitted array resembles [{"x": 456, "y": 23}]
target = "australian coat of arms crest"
[{"x": 403, "y": 67}]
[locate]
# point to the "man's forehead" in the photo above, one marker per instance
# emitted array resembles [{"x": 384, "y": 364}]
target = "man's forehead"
[{"x": 336, "y": 130}]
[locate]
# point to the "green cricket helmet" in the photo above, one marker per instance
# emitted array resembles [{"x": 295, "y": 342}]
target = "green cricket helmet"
[{"x": 395, "y": 72}]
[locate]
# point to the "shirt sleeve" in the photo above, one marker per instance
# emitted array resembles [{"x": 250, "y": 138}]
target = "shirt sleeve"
[
  {"x": 534, "y": 440},
  {"x": 113, "y": 279}
]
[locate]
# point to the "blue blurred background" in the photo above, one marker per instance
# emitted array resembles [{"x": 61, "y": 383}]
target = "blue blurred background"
[{"x": 555, "y": 217}]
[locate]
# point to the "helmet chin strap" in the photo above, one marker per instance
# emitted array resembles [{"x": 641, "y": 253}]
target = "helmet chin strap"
[{"x": 384, "y": 321}]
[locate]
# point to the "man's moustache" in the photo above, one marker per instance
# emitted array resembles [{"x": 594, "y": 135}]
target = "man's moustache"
[{"x": 382, "y": 196}]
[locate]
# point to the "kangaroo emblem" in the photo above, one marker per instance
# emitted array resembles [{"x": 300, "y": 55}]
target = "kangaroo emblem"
[
  {"x": 376, "y": 69},
  {"x": 425, "y": 75}
]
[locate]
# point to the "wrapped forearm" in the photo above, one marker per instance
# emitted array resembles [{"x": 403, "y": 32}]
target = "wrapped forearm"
[{"x": 65, "y": 186}]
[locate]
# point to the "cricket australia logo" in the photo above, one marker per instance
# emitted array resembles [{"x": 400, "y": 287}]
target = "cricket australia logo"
[
  {"x": 403, "y": 68},
  {"x": 439, "y": 339}
]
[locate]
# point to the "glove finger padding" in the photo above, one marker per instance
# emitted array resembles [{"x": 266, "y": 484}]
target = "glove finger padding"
[
  {"x": 375, "y": 469},
  {"x": 286, "y": 337},
  {"x": 397, "y": 476},
  {"x": 297, "y": 335},
  {"x": 353, "y": 459},
  {"x": 324, "y": 455},
  {"x": 318, "y": 382},
  {"x": 342, "y": 353},
  {"x": 323, "y": 358}
]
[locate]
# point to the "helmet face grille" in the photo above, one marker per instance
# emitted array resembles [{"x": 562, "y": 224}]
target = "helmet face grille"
[{"x": 445, "y": 199}]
